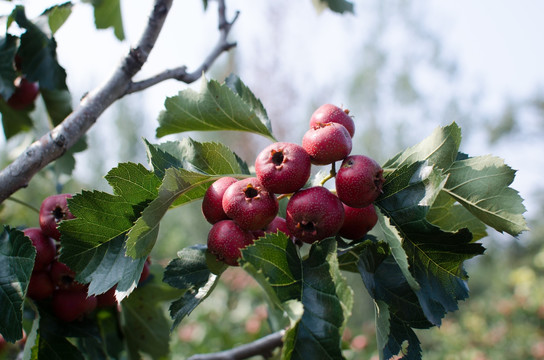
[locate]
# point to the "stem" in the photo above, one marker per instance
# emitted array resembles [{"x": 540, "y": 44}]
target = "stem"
[
  {"x": 33, "y": 208},
  {"x": 332, "y": 174},
  {"x": 263, "y": 346}
]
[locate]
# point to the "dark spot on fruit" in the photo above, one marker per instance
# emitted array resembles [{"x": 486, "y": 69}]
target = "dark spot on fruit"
[
  {"x": 251, "y": 192},
  {"x": 277, "y": 157},
  {"x": 307, "y": 227},
  {"x": 58, "y": 213}
]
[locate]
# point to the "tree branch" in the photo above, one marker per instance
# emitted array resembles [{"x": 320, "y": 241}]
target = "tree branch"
[
  {"x": 54, "y": 144},
  {"x": 180, "y": 73},
  {"x": 263, "y": 346}
]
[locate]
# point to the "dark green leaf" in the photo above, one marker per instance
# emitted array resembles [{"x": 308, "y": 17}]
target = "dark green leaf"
[
  {"x": 273, "y": 260},
  {"x": 216, "y": 107},
  {"x": 315, "y": 283},
  {"x": 67, "y": 162},
  {"x": 8, "y": 47},
  {"x": 93, "y": 244},
  {"x": 145, "y": 324},
  {"x": 395, "y": 337},
  {"x": 58, "y": 104},
  {"x": 339, "y": 6},
  {"x": 14, "y": 121},
  {"x": 54, "y": 347},
  {"x": 481, "y": 185},
  {"x": 38, "y": 52},
  {"x": 425, "y": 253},
  {"x": 107, "y": 13},
  {"x": 189, "y": 272},
  {"x": 327, "y": 304},
  {"x": 16, "y": 263}
]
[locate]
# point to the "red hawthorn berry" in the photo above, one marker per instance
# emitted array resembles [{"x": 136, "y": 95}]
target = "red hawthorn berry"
[{"x": 332, "y": 113}]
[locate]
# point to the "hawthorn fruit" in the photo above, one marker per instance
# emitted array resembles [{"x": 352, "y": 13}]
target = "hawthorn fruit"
[
  {"x": 283, "y": 167},
  {"x": 331, "y": 113},
  {"x": 327, "y": 143},
  {"x": 250, "y": 204},
  {"x": 46, "y": 249},
  {"x": 359, "y": 181},
  {"x": 226, "y": 239},
  {"x": 53, "y": 210},
  {"x": 314, "y": 214},
  {"x": 212, "y": 207}
]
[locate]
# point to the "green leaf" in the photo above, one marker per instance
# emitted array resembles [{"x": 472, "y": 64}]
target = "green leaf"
[
  {"x": 339, "y": 6},
  {"x": 14, "y": 121},
  {"x": 395, "y": 338},
  {"x": 93, "y": 244},
  {"x": 53, "y": 347},
  {"x": 145, "y": 324},
  {"x": 38, "y": 52},
  {"x": 67, "y": 162},
  {"x": 315, "y": 282},
  {"x": 435, "y": 258},
  {"x": 327, "y": 304},
  {"x": 191, "y": 273},
  {"x": 481, "y": 185},
  {"x": 16, "y": 263},
  {"x": 133, "y": 183},
  {"x": 8, "y": 47},
  {"x": 228, "y": 106},
  {"x": 439, "y": 149},
  {"x": 107, "y": 13},
  {"x": 447, "y": 214},
  {"x": 57, "y": 15},
  {"x": 58, "y": 104},
  {"x": 208, "y": 157},
  {"x": 274, "y": 261},
  {"x": 176, "y": 183}
]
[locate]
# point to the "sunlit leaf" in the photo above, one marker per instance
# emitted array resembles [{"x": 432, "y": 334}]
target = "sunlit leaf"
[
  {"x": 447, "y": 214},
  {"x": 438, "y": 149},
  {"x": 227, "y": 106},
  {"x": 481, "y": 185},
  {"x": 176, "y": 183},
  {"x": 57, "y": 15}
]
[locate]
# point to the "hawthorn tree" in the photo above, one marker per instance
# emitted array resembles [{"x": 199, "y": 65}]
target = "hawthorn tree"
[{"x": 432, "y": 205}]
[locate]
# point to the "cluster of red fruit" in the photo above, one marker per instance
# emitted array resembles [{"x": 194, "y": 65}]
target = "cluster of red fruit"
[
  {"x": 243, "y": 210},
  {"x": 54, "y": 281}
]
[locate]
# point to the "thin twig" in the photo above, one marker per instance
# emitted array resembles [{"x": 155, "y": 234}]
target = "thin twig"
[
  {"x": 263, "y": 346},
  {"x": 56, "y": 142},
  {"x": 33, "y": 208},
  {"x": 180, "y": 73}
]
